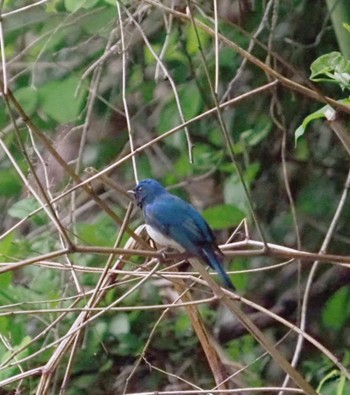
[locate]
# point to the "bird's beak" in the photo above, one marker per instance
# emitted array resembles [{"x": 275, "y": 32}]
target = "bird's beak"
[{"x": 132, "y": 192}]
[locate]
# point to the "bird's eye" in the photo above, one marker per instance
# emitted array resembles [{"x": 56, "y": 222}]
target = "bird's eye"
[{"x": 139, "y": 189}]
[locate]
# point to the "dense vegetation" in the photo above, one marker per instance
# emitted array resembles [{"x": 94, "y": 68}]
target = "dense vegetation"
[{"x": 239, "y": 107}]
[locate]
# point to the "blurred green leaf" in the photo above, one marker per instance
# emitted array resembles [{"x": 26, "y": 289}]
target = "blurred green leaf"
[
  {"x": 192, "y": 44},
  {"x": 27, "y": 98},
  {"x": 5, "y": 355},
  {"x": 254, "y": 136},
  {"x": 302, "y": 151},
  {"x": 100, "y": 232},
  {"x": 4, "y": 324},
  {"x": 169, "y": 117},
  {"x": 74, "y": 5},
  {"x": 234, "y": 193},
  {"x": 336, "y": 312},
  {"x": 240, "y": 280},
  {"x": 129, "y": 345},
  {"x": 251, "y": 172},
  {"x": 23, "y": 208},
  {"x": 223, "y": 216},
  {"x": 191, "y": 100},
  {"x": 99, "y": 22},
  {"x": 58, "y": 100},
  {"x": 10, "y": 183},
  {"x": 317, "y": 198},
  {"x": 148, "y": 54},
  {"x": 182, "y": 324},
  {"x": 45, "y": 283},
  {"x": 205, "y": 158},
  {"x": 85, "y": 382},
  {"x": 7, "y": 248},
  {"x": 228, "y": 57}
]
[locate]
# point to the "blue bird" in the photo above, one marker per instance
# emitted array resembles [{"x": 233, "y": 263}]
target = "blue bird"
[{"x": 172, "y": 222}]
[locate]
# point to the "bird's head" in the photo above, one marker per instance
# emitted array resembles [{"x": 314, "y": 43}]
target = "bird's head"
[{"x": 146, "y": 191}]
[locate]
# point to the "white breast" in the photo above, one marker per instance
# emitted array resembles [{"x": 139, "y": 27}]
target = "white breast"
[{"x": 163, "y": 240}]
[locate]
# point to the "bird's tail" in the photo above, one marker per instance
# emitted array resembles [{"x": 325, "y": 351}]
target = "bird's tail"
[{"x": 212, "y": 260}]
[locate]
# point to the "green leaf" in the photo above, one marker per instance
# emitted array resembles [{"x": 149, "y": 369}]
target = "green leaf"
[
  {"x": 234, "y": 193},
  {"x": 241, "y": 280},
  {"x": 318, "y": 198},
  {"x": 324, "y": 112},
  {"x": 27, "y": 98},
  {"x": 4, "y": 324},
  {"x": 45, "y": 283},
  {"x": 58, "y": 99},
  {"x": 100, "y": 232},
  {"x": 99, "y": 23},
  {"x": 192, "y": 44},
  {"x": 223, "y": 216},
  {"x": 302, "y": 151},
  {"x": 129, "y": 345},
  {"x": 85, "y": 382},
  {"x": 10, "y": 183},
  {"x": 182, "y": 324},
  {"x": 7, "y": 248},
  {"x": 325, "y": 64},
  {"x": 205, "y": 158},
  {"x": 74, "y": 5},
  {"x": 337, "y": 309},
  {"x": 330, "y": 377},
  {"x": 332, "y": 67},
  {"x": 149, "y": 58},
  {"x": 169, "y": 117},
  {"x": 5, "y": 355},
  {"x": 255, "y": 135},
  {"x": 311, "y": 117},
  {"x": 191, "y": 100},
  {"x": 228, "y": 57},
  {"x": 251, "y": 172},
  {"x": 23, "y": 208}
]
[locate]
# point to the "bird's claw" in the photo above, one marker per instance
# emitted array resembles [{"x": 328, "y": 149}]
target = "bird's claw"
[{"x": 164, "y": 253}]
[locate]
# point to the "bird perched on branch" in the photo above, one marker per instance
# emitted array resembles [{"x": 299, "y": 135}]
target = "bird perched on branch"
[{"x": 172, "y": 222}]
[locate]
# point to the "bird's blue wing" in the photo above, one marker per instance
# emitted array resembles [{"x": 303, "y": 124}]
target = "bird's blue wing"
[{"x": 178, "y": 220}]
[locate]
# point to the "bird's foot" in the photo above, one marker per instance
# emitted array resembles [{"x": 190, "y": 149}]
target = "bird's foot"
[
  {"x": 169, "y": 254},
  {"x": 166, "y": 253}
]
